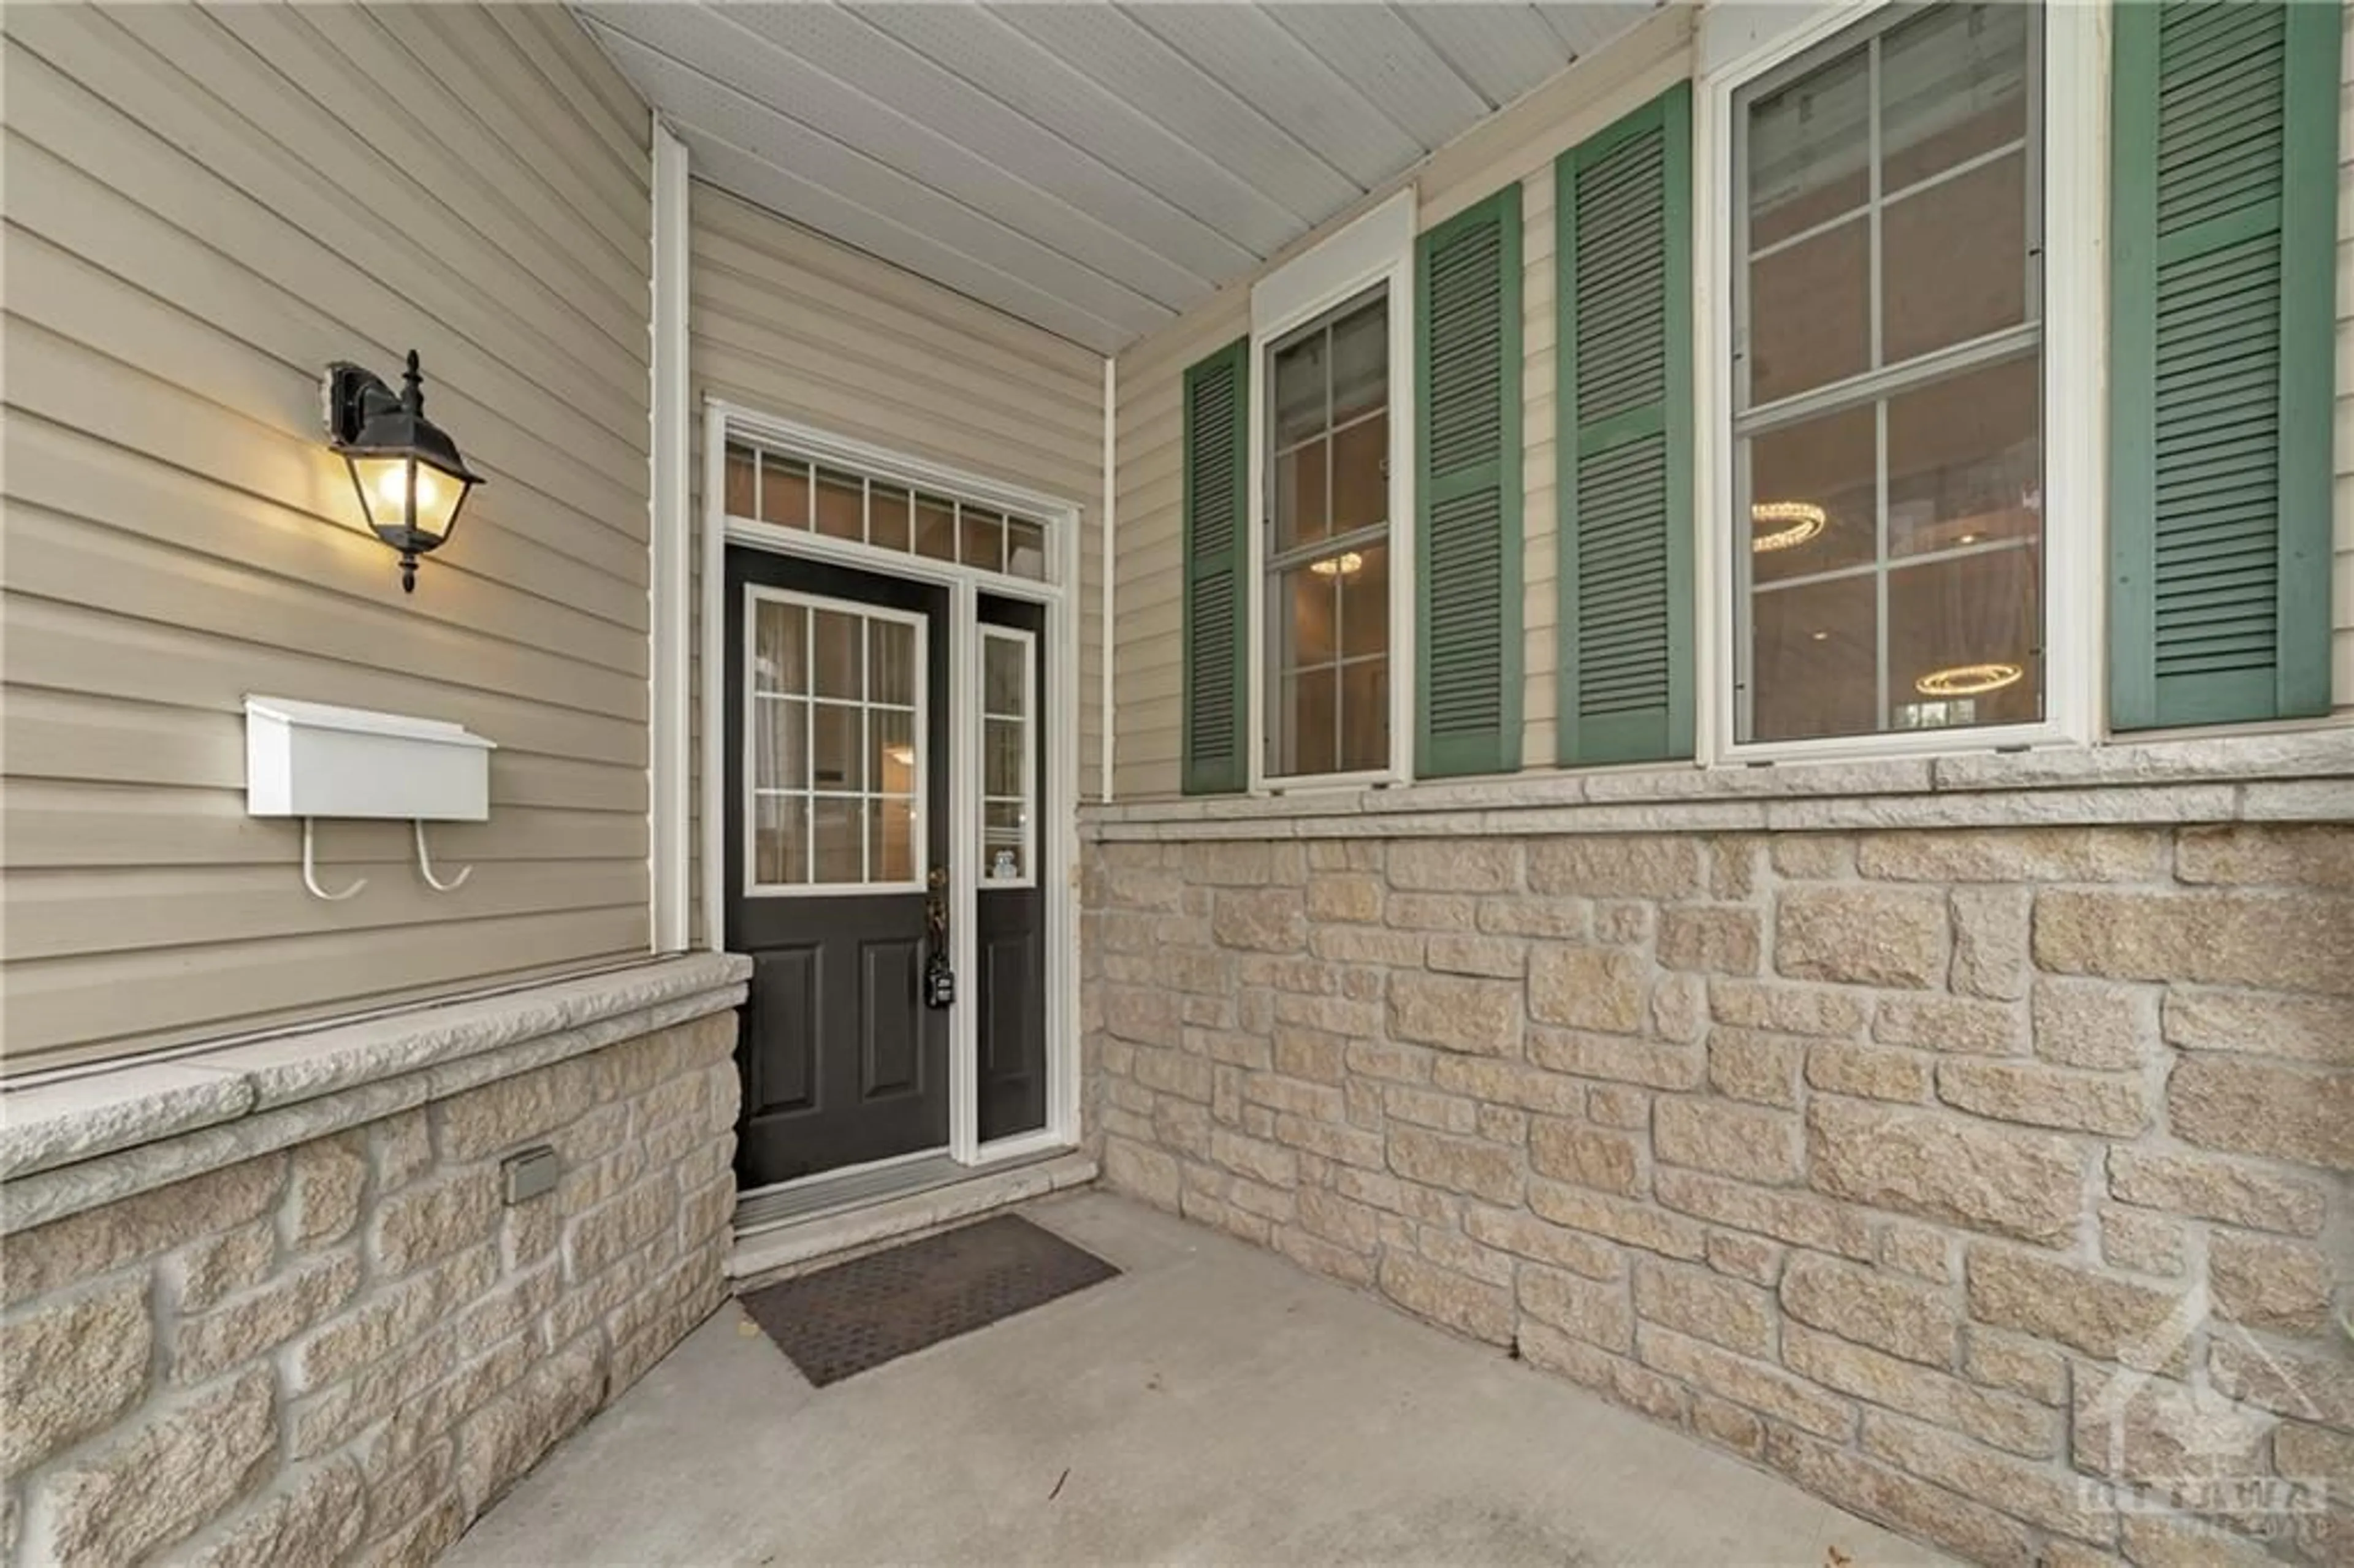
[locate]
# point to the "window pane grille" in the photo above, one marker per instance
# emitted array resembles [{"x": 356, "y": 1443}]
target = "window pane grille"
[
  {"x": 1887, "y": 530},
  {"x": 1008, "y": 757},
  {"x": 769, "y": 487},
  {"x": 1328, "y": 569}
]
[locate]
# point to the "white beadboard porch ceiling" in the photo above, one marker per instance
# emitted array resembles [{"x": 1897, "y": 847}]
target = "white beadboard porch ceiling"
[{"x": 1094, "y": 168}]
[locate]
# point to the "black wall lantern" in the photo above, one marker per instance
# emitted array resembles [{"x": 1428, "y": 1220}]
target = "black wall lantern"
[{"x": 411, "y": 482}]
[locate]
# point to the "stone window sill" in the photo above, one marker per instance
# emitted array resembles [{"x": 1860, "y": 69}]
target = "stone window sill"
[
  {"x": 2288, "y": 777},
  {"x": 78, "y": 1142}
]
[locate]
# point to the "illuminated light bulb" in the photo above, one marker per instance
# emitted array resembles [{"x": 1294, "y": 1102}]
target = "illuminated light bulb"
[
  {"x": 392, "y": 489},
  {"x": 1348, "y": 563}
]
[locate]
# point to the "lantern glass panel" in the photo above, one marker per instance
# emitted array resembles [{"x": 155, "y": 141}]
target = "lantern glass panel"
[{"x": 383, "y": 487}]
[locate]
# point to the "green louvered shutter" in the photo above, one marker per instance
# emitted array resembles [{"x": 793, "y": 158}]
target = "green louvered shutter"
[
  {"x": 1216, "y": 484},
  {"x": 1467, "y": 325},
  {"x": 1623, "y": 288},
  {"x": 2220, "y": 323}
]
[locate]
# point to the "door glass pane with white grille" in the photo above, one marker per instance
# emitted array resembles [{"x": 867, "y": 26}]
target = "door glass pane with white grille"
[{"x": 835, "y": 738}]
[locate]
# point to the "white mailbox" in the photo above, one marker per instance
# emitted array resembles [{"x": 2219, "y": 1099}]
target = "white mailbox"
[{"x": 309, "y": 759}]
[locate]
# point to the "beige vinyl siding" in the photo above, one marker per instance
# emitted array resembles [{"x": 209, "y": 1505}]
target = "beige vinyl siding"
[
  {"x": 204, "y": 207},
  {"x": 1540, "y": 538},
  {"x": 1149, "y": 582},
  {"x": 791, "y": 324}
]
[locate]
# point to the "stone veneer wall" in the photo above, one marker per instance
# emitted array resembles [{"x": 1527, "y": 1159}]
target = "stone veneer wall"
[
  {"x": 343, "y": 1351},
  {"x": 1990, "y": 1183}
]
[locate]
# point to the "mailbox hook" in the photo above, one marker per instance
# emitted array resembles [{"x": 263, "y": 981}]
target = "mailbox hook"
[
  {"x": 311, "y": 868},
  {"x": 425, "y": 865}
]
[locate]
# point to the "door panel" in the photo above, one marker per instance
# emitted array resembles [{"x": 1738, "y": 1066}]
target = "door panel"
[
  {"x": 895, "y": 1066},
  {"x": 845, "y": 688},
  {"x": 1012, "y": 1026},
  {"x": 1009, "y": 918},
  {"x": 784, "y": 1067}
]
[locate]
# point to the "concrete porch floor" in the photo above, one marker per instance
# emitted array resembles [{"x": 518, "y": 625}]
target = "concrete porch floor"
[{"x": 1213, "y": 1405}]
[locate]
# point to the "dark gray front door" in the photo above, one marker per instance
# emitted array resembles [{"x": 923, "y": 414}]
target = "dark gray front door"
[{"x": 838, "y": 683}]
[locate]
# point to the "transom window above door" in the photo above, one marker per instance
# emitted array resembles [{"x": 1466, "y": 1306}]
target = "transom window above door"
[
  {"x": 836, "y": 737},
  {"x": 765, "y": 486},
  {"x": 1888, "y": 539},
  {"x": 1327, "y": 543}
]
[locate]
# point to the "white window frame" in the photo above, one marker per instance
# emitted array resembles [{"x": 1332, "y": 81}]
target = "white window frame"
[
  {"x": 820, "y": 473},
  {"x": 2074, "y": 160},
  {"x": 1028, "y": 643},
  {"x": 755, "y": 595},
  {"x": 1375, "y": 250}
]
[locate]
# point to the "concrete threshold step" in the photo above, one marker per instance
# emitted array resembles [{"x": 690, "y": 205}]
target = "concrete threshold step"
[{"x": 796, "y": 1245}]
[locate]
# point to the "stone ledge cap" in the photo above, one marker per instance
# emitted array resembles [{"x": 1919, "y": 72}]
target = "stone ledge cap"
[
  {"x": 2292, "y": 776},
  {"x": 117, "y": 1108}
]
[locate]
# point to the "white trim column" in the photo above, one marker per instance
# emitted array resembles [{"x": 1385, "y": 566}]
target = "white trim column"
[
  {"x": 963, "y": 699},
  {"x": 1110, "y": 546},
  {"x": 671, "y": 537},
  {"x": 1058, "y": 834},
  {"x": 712, "y": 697}
]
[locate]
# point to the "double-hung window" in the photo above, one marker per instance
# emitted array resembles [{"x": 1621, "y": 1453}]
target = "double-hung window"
[
  {"x": 1889, "y": 549},
  {"x": 1349, "y": 492},
  {"x": 1325, "y": 586}
]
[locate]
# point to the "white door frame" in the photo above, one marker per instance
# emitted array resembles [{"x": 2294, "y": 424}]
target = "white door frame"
[{"x": 1058, "y": 835}]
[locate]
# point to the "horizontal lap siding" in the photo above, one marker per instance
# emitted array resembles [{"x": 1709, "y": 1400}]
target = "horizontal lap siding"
[
  {"x": 788, "y": 323},
  {"x": 204, "y": 209},
  {"x": 1540, "y": 403}
]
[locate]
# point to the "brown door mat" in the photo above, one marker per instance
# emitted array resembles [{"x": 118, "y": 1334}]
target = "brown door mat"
[{"x": 876, "y": 1308}]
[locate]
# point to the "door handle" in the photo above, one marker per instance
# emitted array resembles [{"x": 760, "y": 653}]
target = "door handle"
[
  {"x": 940, "y": 980},
  {"x": 936, "y": 906}
]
